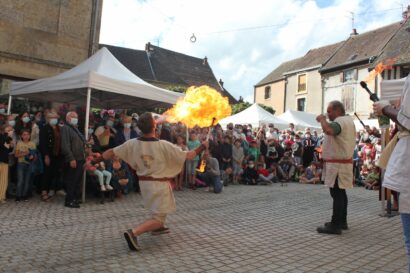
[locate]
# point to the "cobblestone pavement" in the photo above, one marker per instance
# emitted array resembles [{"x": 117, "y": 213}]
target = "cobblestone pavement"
[{"x": 244, "y": 229}]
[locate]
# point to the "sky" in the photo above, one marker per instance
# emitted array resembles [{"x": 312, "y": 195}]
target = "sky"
[{"x": 243, "y": 40}]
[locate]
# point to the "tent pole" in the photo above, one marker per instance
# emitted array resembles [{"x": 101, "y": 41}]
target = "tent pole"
[
  {"x": 9, "y": 105},
  {"x": 87, "y": 118}
]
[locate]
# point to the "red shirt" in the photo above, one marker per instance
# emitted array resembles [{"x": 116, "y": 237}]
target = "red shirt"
[{"x": 263, "y": 172}]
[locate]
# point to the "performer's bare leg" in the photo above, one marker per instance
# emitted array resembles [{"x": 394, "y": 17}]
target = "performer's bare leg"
[{"x": 148, "y": 225}]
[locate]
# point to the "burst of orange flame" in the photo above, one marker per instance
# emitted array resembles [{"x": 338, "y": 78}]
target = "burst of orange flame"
[
  {"x": 199, "y": 106},
  {"x": 380, "y": 67}
]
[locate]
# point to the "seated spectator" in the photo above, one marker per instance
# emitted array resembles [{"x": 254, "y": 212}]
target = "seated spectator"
[
  {"x": 265, "y": 176},
  {"x": 211, "y": 176},
  {"x": 99, "y": 171},
  {"x": 250, "y": 175},
  {"x": 286, "y": 167},
  {"x": 226, "y": 176},
  {"x": 311, "y": 175},
  {"x": 121, "y": 176},
  {"x": 372, "y": 179}
]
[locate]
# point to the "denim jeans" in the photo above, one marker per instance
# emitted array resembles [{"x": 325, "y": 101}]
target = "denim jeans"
[
  {"x": 215, "y": 182},
  {"x": 24, "y": 175},
  {"x": 405, "y": 220}
]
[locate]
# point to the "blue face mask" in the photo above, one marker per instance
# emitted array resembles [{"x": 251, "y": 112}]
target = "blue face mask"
[
  {"x": 12, "y": 123},
  {"x": 53, "y": 121},
  {"x": 90, "y": 131},
  {"x": 2, "y": 111},
  {"x": 74, "y": 121},
  {"x": 25, "y": 119}
]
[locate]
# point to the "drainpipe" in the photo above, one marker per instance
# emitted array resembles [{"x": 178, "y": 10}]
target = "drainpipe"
[
  {"x": 284, "y": 97},
  {"x": 93, "y": 28}
]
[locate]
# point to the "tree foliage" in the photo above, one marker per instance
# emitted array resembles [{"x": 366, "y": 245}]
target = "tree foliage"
[{"x": 242, "y": 105}]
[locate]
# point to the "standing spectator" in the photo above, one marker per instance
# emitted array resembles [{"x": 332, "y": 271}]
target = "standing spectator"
[
  {"x": 72, "y": 148},
  {"x": 125, "y": 132},
  {"x": 226, "y": 153},
  {"x": 272, "y": 134},
  {"x": 237, "y": 159},
  {"x": 106, "y": 134},
  {"x": 253, "y": 151},
  {"x": 39, "y": 120},
  {"x": 191, "y": 165},
  {"x": 180, "y": 177},
  {"x": 308, "y": 149},
  {"x": 26, "y": 123},
  {"x": 25, "y": 153},
  {"x": 297, "y": 150},
  {"x": 6, "y": 146},
  {"x": 50, "y": 149}
]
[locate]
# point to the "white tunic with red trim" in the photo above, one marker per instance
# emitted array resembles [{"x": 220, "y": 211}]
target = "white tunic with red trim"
[
  {"x": 157, "y": 159},
  {"x": 340, "y": 147}
]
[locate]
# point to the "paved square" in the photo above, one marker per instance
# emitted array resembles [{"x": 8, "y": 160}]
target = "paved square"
[{"x": 244, "y": 229}]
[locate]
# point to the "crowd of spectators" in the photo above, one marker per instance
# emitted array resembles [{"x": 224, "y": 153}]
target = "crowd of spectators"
[{"x": 44, "y": 152}]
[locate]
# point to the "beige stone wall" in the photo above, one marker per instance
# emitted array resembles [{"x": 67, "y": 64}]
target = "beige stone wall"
[
  {"x": 313, "y": 93},
  {"x": 41, "y": 38},
  {"x": 277, "y": 96}
]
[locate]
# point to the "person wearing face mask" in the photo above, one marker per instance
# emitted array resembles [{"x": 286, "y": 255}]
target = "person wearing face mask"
[
  {"x": 6, "y": 147},
  {"x": 308, "y": 149},
  {"x": 50, "y": 149},
  {"x": 106, "y": 134},
  {"x": 126, "y": 132},
  {"x": 72, "y": 150},
  {"x": 3, "y": 115},
  {"x": 26, "y": 123}
]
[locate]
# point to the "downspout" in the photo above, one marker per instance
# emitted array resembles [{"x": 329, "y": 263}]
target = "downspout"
[
  {"x": 93, "y": 28},
  {"x": 323, "y": 95},
  {"x": 284, "y": 95}
]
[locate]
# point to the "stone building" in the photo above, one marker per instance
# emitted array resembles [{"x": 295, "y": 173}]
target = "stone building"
[{"x": 45, "y": 37}]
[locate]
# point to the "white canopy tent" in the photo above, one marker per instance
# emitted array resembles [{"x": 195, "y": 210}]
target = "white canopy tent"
[
  {"x": 101, "y": 72},
  {"x": 300, "y": 119},
  {"x": 256, "y": 116},
  {"x": 113, "y": 85},
  {"x": 391, "y": 89}
]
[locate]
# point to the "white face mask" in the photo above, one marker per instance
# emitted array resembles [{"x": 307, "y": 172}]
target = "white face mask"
[
  {"x": 53, "y": 121},
  {"x": 12, "y": 123},
  {"x": 25, "y": 119},
  {"x": 74, "y": 121},
  {"x": 127, "y": 125},
  {"x": 109, "y": 123},
  {"x": 2, "y": 111},
  {"x": 90, "y": 131},
  {"x": 251, "y": 165}
]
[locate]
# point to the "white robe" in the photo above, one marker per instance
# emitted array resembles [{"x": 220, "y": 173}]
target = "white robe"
[
  {"x": 158, "y": 159},
  {"x": 397, "y": 176}
]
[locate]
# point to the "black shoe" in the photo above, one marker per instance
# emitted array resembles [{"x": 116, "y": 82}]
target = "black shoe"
[
  {"x": 330, "y": 229},
  {"x": 344, "y": 225},
  {"x": 132, "y": 241},
  {"x": 18, "y": 199},
  {"x": 72, "y": 205}
]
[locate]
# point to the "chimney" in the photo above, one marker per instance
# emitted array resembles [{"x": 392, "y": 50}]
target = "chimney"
[
  {"x": 406, "y": 14},
  {"x": 148, "y": 47},
  {"x": 354, "y": 33},
  {"x": 221, "y": 82},
  {"x": 205, "y": 62}
]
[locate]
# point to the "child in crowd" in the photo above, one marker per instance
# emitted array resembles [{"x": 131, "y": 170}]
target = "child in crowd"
[
  {"x": 191, "y": 165},
  {"x": 26, "y": 155},
  {"x": 99, "y": 171},
  {"x": 372, "y": 179},
  {"x": 6, "y": 147},
  {"x": 311, "y": 175},
  {"x": 250, "y": 175},
  {"x": 265, "y": 177},
  {"x": 180, "y": 177},
  {"x": 237, "y": 158},
  {"x": 121, "y": 175}
]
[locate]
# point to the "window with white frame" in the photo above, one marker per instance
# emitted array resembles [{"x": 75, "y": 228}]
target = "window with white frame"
[{"x": 349, "y": 75}]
